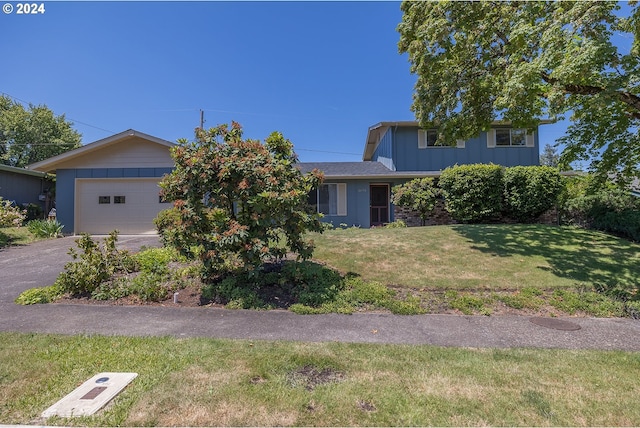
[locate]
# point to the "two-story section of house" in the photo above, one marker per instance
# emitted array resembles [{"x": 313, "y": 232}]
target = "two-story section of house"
[{"x": 359, "y": 193}]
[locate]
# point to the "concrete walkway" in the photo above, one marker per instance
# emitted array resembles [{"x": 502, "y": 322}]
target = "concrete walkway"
[{"x": 38, "y": 265}]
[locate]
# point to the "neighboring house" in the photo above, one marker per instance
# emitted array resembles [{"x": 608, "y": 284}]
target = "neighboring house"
[
  {"x": 358, "y": 193},
  {"x": 24, "y": 187},
  {"x": 110, "y": 184}
]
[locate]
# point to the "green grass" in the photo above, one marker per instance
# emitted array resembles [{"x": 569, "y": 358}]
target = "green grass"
[
  {"x": 206, "y": 382},
  {"x": 16, "y": 236},
  {"x": 481, "y": 257}
]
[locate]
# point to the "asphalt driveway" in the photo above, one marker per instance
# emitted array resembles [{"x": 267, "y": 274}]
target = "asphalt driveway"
[{"x": 38, "y": 265}]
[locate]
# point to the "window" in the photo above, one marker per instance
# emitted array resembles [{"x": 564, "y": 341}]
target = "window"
[
  {"x": 104, "y": 199},
  {"x": 511, "y": 137},
  {"x": 508, "y": 137},
  {"x": 330, "y": 199},
  {"x": 118, "y": 199},
  {"x": 427, "y": 138}
]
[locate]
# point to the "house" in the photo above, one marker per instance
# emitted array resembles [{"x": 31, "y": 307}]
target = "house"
[
  {"x": 113, "y": 183},
  {"x": 358, "y": 193},
  {"x": 110, "y": 184},
  {"x": 24, "y": 187}
]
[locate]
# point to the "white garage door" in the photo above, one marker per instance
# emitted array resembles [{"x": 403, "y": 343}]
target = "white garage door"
[{"x": 128, "y": 205}]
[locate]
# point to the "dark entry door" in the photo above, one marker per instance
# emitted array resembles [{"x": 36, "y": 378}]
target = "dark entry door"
[{"x": 379, "y": 197}]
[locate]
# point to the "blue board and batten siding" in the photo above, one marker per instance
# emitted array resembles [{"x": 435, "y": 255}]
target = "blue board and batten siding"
[
  {"x": 398, "y": 150},
  {"x": 66, "y": 184},
  {"x": 359, "y": 202}
]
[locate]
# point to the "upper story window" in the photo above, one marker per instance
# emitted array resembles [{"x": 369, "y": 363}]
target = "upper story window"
[
  {"x": 509, "y": 137},
  {"x": 428, "y": 138}
]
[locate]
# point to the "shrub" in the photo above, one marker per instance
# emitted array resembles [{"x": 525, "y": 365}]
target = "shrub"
[
  {"x": 33, "y": 212},
  {"x": 473, "y": 193},
  {"x": 94, "y": 265},
  {"x": 238, "y": 199},
  {"x": 397, "y": 224},
  {"x": 419, "y": 194},
  {"x": 529, "y": 191},
  {"x": 10, "y": 216},
  {"x": 608, "y": 208},
  {"x": 45, "y": 228},
  {"x": 39, "y": 295}
]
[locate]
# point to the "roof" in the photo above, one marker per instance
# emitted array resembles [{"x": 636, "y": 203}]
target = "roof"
[
  {"x": 51, "y": 163},
  {"x": 23, "y": 171},
  {"x": 376, "y": 133},
  {"x": 360, "y": 170}
]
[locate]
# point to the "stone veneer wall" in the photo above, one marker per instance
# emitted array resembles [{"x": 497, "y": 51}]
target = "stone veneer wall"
[{"x": 441, "y": 216}]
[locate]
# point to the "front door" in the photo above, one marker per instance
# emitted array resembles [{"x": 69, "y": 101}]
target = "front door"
[{"x": 379, "y": 197}]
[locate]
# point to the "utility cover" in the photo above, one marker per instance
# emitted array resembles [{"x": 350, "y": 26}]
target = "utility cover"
[{"x": 91, "y": 396}]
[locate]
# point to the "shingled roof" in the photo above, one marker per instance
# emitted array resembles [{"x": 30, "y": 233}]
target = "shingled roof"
[{"x": 359, "y": 170}]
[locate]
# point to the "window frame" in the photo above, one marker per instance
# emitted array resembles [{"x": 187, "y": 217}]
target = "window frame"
[
  {"x": 527, "y": 138},
  {"x": 340, "y": 197}
]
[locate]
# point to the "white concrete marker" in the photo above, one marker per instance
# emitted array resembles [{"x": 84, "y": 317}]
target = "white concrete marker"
[{"x": 91, "y": 396}]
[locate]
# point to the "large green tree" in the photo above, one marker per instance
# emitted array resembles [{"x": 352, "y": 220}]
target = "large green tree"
[
  {"x": 33, "y": 134},
  {"x": 523, "y": 61}
]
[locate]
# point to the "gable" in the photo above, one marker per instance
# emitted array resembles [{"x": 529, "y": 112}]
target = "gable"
[
  {"x": 128, "y": 149},
  {"x": 132, "y": 152}
]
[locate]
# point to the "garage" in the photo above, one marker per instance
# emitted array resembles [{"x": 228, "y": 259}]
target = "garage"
[
  {"x": 110, "y": 184},
  {"x": 128, "y": 205}
]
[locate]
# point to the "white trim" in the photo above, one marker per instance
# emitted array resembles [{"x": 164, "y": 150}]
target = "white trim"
[
  {"x": 342, "y": 199},
  {"x": 422, "y": 138},
  {"x": 491, "y": 138},
  {"x": 530, "y": 140}
]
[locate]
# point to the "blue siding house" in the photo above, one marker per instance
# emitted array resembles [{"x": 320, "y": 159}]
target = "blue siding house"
[{"x": 358, "y": 193}]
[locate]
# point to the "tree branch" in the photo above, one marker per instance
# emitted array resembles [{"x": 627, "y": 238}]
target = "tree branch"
[{"x": 628, "y": 98}]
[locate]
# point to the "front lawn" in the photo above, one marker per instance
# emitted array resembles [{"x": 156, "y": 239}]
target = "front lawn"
[
  {"x": 481, "y": 257},
  {"x": 207, "y": 382},
  {"x": 486, "y": 269}
]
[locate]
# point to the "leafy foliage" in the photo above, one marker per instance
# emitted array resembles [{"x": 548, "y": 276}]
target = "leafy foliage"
[
  {"x": 522, "y": 61},
  {"x": 609, "y": 208},
  {"x": 39, "y": 295},
  {"x": 240, "y": 201},
  {"x": 10, "y": 216},
  {"x": 33, "y": 134},
  {"x": 419, "y": 194},
  {"x": 95, "y": 265},
  {"x": 45, "y": 228},
  {"x": 473, "y": 193},
  {"x": 529, "y": 191}
]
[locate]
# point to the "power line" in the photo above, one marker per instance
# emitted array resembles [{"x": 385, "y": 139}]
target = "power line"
[{"x": 71, "y": 119}]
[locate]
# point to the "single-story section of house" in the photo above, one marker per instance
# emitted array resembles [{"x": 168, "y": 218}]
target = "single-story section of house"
[
  {"x": 24, "y": 187},
  {"x": 358, "y": 193},
  {"x": 110, "y": 184}
]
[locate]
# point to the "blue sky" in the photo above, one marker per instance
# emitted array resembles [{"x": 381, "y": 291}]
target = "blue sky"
[{"x": 319, "y": 72}]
